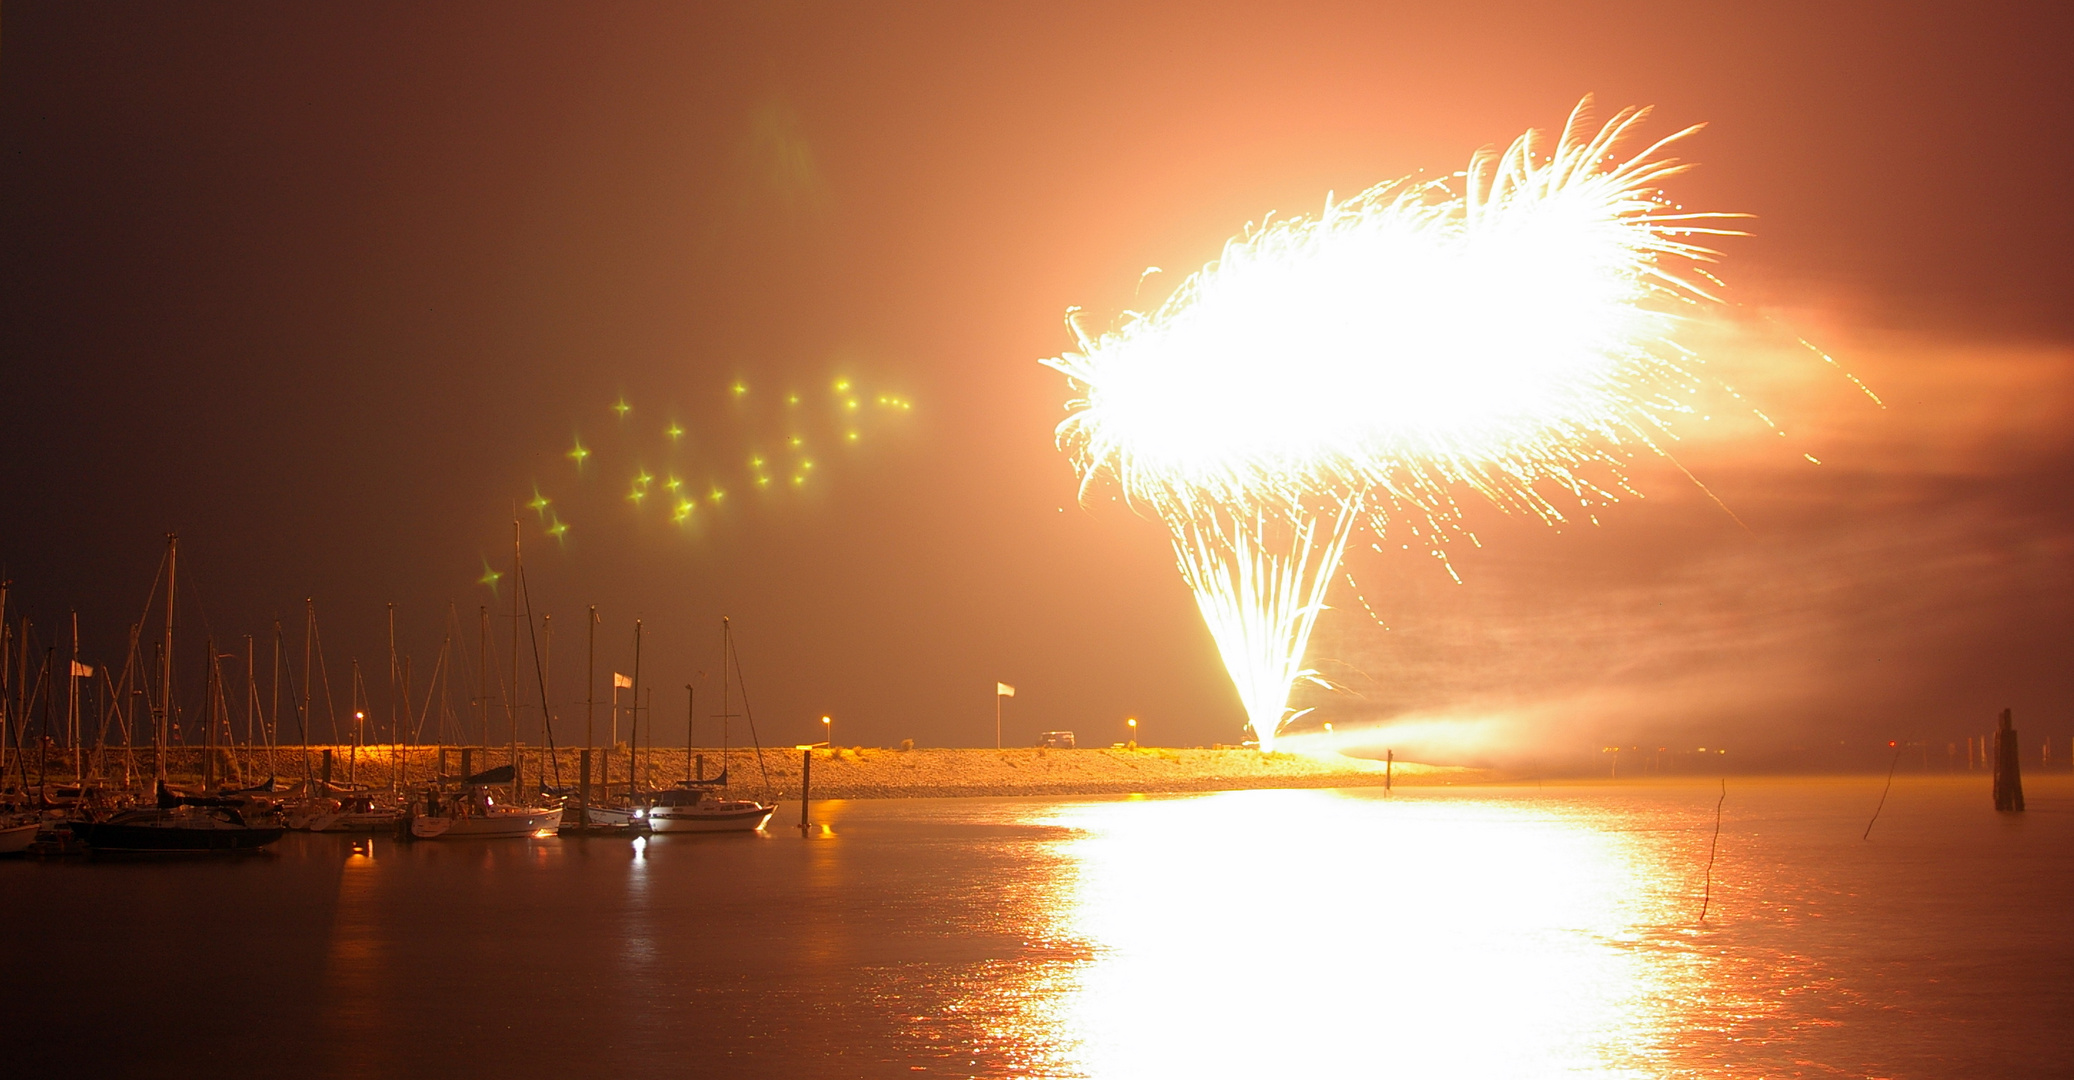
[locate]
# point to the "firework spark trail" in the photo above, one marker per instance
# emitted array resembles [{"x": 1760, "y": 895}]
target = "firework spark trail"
[{"x": 1508, "y": 328}]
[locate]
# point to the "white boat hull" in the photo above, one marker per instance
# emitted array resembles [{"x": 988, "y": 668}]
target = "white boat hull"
[
  {"x": 15, "y": 839},
  {"x": 499, "y": 823},
  {"x": 610, "y": 816},
  {"x": 699, "y": 819},
  {"x": 378, "y": 821}
]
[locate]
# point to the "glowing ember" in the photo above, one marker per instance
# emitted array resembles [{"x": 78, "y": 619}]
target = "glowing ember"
[{"x": 1495, "y": 331}]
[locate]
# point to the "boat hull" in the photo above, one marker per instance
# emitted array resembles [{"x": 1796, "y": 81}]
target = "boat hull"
[
  {"x": 110, "y": 836},
  {"x": 15, "y": 839},
  {"x": 692, "y": 819},
  {"x": 502, "y": 825},
  {"x": 380, "y": 821}
]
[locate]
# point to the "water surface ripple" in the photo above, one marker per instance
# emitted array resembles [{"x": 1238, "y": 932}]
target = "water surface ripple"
[{"x": 1439, "y": 932}]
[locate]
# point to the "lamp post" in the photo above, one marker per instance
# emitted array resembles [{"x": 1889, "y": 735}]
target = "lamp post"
[
  {"x": 827, "y": 726},
  {"x": 1132, "y": 721}
]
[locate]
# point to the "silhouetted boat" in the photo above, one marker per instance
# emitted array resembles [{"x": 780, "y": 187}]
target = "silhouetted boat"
[
  {"x": 180, "y": 822},
  {"x": 178, "y": 829}
]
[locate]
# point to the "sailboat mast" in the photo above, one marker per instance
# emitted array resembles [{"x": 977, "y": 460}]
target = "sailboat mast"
[
  {"x": 251, "y": 694},
  {"x": 590, "y": 687},
  {"x": 209, "y": 716},
  {"x": 547, "y": 670},
  {"x": 165, "y": 659},
  {"x": 511, "y": 698},
  {"x": 634, "y": 721},
  {"x": 309, "y": 641},
  {"x": 273, "y": 713},
  {"x": 404, "y": 734},
  {"x": 392, "y": 693},
  {"x": 72, "y": 705},
  {"x": 6, "y": 656},
  {"x": 482, "y": 672},
  {"x": 725, "y": 643}
]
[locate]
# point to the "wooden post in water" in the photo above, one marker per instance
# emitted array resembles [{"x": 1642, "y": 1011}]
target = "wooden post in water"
[
  {"x": 583, "y": 788},
  {"x": 2009, "y": 781},
  {"x": 325, "y": 774},
  {"x": 467, "y": 762},
  {"x": 1389, "y": 769},
  {"x": 806, "y": 779}
]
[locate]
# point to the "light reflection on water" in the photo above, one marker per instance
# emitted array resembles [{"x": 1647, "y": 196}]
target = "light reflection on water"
[
  {"x": 1481, "y": 932},
  {"x": 1332, "y": 934}
]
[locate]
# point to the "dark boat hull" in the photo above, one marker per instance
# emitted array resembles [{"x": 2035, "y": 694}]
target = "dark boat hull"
[{"x": 107, "y": 836}]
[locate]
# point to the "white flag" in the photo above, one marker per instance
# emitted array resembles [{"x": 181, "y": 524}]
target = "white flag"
[
  {"x": 1002, "y": 689},
  {"x": 84, "y": 671},
  {"x": 621, "y": 682}
]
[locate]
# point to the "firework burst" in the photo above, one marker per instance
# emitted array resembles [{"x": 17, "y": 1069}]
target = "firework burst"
[{"x": 1500, "y": 332}]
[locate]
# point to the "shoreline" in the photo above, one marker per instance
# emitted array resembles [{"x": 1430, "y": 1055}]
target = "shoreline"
[{"x": 837, "y": 773}]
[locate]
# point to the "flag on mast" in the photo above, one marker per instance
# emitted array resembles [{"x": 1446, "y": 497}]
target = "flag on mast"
[
  {"x": 621, "y": 682},
  {"x": 84, "y": 671},
  {"x": 1002, "y": 689}
]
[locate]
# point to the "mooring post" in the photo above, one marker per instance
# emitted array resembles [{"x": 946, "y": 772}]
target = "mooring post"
[
  {"x": 327, "y": 770},
  {"x": 2009, "y": 781},
  {"x": 467, "y": 762},
  {"x": 806, "y": 785},
  {"x": 583, "y": 787},
  {"x": 1389, "y": 769}
]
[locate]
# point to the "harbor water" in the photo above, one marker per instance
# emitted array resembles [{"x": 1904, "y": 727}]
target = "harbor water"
[{"x": 1432, "y": 932}]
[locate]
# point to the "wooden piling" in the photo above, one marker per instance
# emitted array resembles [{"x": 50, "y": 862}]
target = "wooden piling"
[
  {"x": 326, "y": 774},
  {"x": 806, "y": 778},
  {"x": 467, "y": 762},
  {"x": 2009, "y": 781},
  {"x": 583, "y": 788}
]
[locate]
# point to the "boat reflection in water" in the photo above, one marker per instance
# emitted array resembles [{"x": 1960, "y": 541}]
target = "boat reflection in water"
[{"x": 1311, "y": 933}]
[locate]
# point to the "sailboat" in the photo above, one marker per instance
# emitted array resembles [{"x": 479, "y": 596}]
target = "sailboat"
[
  {"x": 475, "y": 813},
  {"x": 701, "y": 806},
  {"x": 18, "y": 831},
  {"x": 179, "y": 823},
  {"x": 358, "y": 813}
]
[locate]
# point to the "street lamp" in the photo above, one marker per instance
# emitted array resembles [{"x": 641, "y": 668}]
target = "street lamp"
[
  {"x": 1133, "y": 722},
  {"x": 826, "y": 727}
]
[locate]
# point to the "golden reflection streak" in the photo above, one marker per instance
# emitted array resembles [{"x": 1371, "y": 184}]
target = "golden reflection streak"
[
  {"x": 1413, "y": 937},
  {"x": 355, "y": 966}
]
